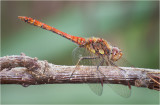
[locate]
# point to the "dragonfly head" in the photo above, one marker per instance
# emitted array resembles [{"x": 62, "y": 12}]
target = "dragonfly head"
[{"x": 116, "y": 54}]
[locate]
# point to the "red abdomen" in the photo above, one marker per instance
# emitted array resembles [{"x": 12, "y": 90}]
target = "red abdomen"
[{"x": 75, "y": 39}]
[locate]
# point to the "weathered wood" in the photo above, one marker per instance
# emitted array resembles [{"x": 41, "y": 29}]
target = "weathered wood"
[{"x": 27, "y": 71}]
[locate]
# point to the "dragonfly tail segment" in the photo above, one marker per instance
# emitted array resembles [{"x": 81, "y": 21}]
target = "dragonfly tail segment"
[{"x": 78, "y": 40}]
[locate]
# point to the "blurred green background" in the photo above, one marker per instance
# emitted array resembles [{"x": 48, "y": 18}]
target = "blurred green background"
[{"x": 133, "y": 26}]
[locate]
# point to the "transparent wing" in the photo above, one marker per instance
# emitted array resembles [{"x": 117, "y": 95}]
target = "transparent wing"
[
  {"x": 97, "y": 88},
  {"x": 90, "y": 60},
  {"x": 124, "y": 63},
  {"x": 122, "y": 90},
  {"x": 79, "y": 52}
]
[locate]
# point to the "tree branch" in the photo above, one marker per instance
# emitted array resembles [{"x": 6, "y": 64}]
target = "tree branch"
[{"x": 27, "y": 71}]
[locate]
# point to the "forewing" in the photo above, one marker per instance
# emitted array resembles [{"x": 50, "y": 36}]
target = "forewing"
[
  {"x": 97, "y": 87},
  {"x": 79, "y": 52},
  {"x": 91, "y": 60},
  {"x": 122, "y": 90}
]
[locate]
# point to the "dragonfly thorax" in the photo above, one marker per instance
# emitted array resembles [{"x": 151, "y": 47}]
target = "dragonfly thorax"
[
  {"x": 98, "y": 46},
  {"x": 101, "y": 47}
]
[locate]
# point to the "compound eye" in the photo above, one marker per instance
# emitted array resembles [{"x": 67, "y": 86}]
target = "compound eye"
[{"x": 114, "y": 51}]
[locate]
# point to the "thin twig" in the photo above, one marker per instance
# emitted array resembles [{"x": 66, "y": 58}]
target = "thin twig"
[{"x": 27, "y": 71}]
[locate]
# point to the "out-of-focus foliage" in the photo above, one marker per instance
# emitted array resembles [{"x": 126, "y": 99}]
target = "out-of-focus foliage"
[{"x": 131, "y": 25}]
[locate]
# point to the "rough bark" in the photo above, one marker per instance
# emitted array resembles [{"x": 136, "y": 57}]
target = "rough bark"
[{"x": 27, "y": 71}]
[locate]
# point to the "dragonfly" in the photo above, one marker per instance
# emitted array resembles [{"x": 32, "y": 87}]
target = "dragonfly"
[{"x": 92, "y": 51}]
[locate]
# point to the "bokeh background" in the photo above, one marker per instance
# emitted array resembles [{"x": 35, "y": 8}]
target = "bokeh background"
[{"x": 131, "y": 25}]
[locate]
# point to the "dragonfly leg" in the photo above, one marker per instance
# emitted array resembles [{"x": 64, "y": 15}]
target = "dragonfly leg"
[
  {"x": 100, "y": 64},
  {"x": 82, "y": 58}
]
